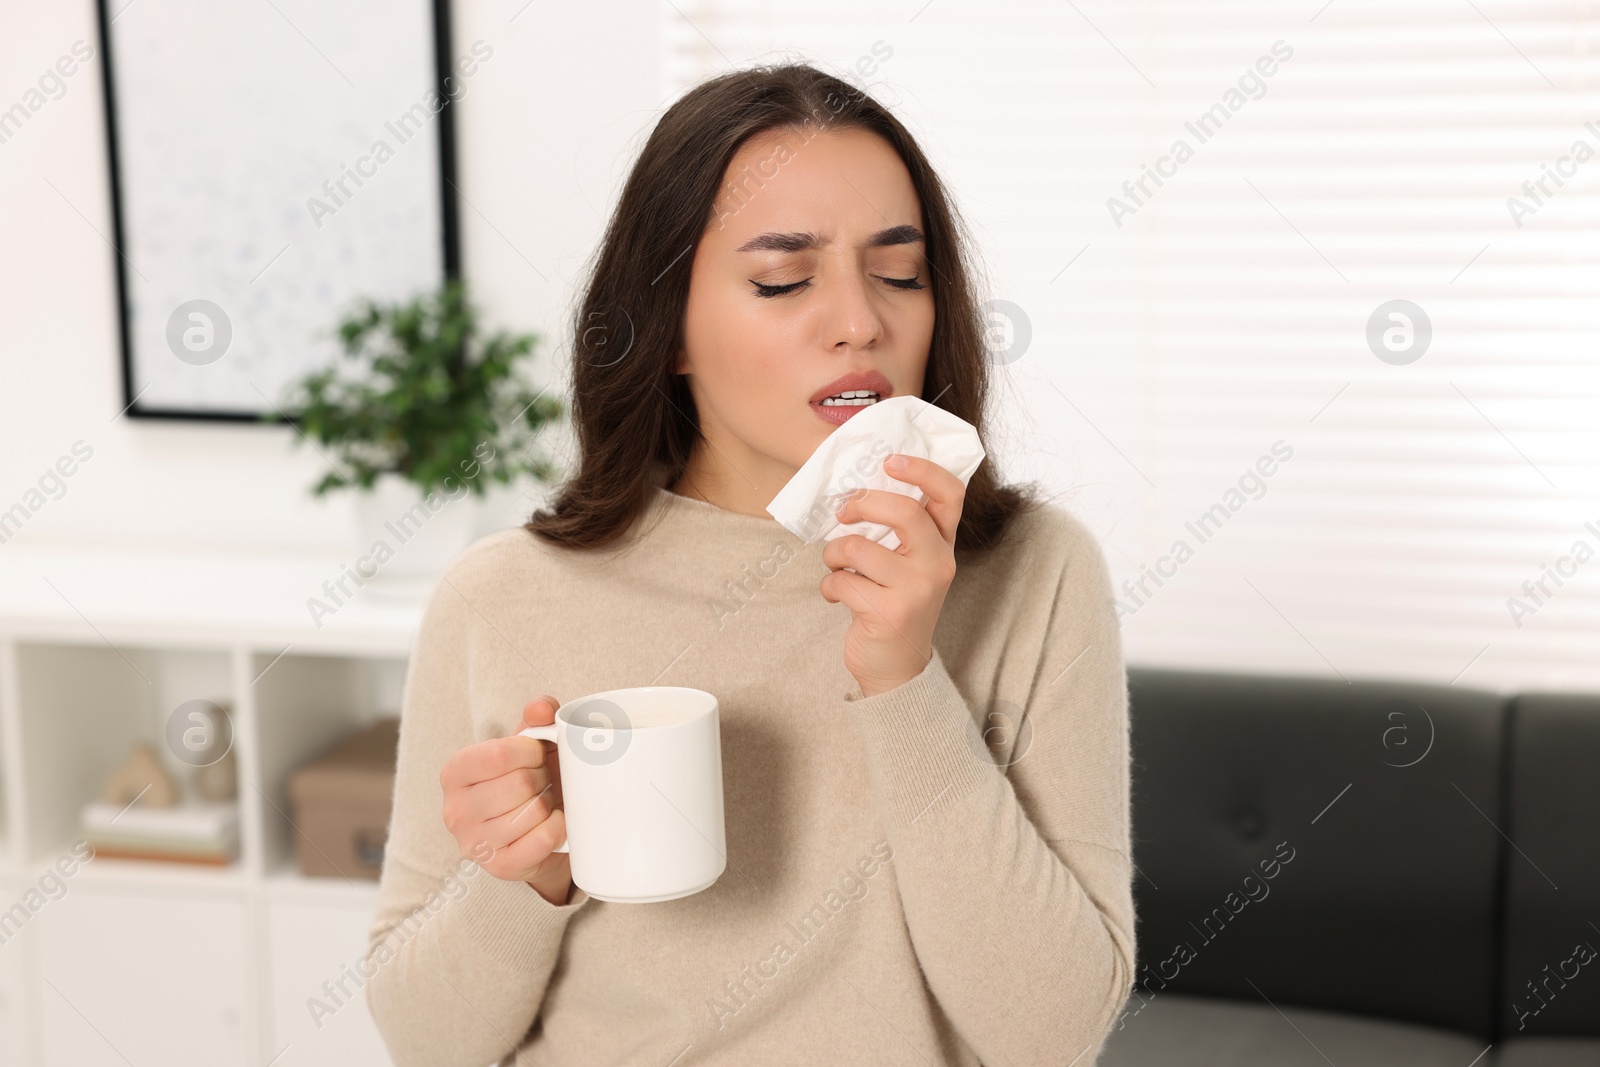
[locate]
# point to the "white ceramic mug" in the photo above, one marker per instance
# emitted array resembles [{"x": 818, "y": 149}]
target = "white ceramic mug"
[{"x": 641, "y": 786}]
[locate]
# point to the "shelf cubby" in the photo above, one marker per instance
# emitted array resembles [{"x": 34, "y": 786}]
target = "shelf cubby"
[
  {"x": 304, "y": 705},
  {"x": 81, "y": 710}
]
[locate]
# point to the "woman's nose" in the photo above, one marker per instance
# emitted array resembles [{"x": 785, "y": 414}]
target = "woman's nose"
[{"x": 853, "y": 319}]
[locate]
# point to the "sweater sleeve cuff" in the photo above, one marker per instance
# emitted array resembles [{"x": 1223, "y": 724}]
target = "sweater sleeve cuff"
[
  {"x": 924, "y": 750},
  {"x": 511, "y": 922}
]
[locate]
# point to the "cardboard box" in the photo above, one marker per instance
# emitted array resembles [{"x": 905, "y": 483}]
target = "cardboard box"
[{"x": 342, "y": 802}]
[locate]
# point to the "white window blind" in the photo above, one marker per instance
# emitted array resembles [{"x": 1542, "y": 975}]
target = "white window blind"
[{"x": 1206, "y": 211}]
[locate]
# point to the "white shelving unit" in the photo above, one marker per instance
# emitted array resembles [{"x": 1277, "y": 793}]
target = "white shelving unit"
[{"x": 149, "y": 962}]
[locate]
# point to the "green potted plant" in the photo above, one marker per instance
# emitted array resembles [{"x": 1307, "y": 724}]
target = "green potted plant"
[{"x": 418, "y": 416}]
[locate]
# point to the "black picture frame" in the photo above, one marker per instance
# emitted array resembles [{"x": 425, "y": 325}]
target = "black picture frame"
[{"x": 448, "y": 207}]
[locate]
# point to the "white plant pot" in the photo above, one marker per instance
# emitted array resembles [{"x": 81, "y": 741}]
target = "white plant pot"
[{"x": 404, "y": 535}]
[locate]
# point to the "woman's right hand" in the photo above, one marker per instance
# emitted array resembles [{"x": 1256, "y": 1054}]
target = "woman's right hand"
[{"x": 502, "y": 802}]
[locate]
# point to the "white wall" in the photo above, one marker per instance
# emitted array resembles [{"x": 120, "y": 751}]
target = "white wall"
[{"x": 543, "y": 135}]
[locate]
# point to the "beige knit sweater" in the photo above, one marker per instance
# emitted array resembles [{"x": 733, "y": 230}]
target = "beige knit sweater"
[{"x": 936, "y": 874}]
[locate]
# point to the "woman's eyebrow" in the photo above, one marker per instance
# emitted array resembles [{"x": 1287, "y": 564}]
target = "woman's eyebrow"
[{"x": 800, "y": 242}]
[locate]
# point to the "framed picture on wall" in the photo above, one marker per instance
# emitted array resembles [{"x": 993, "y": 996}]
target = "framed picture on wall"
[{"x": 271, "y": 163}]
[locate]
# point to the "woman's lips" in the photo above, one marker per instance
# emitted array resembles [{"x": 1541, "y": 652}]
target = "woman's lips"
[{"x": 838, "y": 414}]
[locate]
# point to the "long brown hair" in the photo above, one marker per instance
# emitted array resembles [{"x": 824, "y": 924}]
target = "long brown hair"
[{"x": 633, "y": 413}]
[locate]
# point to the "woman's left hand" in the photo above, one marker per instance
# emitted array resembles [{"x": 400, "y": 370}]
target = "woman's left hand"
[{"x": 895, "y": 594}]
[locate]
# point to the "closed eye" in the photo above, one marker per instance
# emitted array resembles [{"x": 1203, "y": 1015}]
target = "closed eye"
[
  {"x": 777, "y": 290},
  {"x": 780, "y": 290}
]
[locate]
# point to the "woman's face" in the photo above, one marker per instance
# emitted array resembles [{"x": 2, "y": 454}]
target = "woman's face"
[{"x": 813, "y": 267}]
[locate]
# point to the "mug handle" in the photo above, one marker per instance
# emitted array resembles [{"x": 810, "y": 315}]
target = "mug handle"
[{"x": 547, "y": 733}]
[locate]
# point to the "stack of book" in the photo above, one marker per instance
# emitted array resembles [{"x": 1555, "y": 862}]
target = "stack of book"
[{"x": 193, "y": 832}]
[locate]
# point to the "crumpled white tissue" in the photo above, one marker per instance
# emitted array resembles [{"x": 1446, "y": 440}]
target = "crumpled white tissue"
[{"x": 851, "y": 458}]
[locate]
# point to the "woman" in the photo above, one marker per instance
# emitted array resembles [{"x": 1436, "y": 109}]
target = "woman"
[{"x": 926, "y": 789}]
